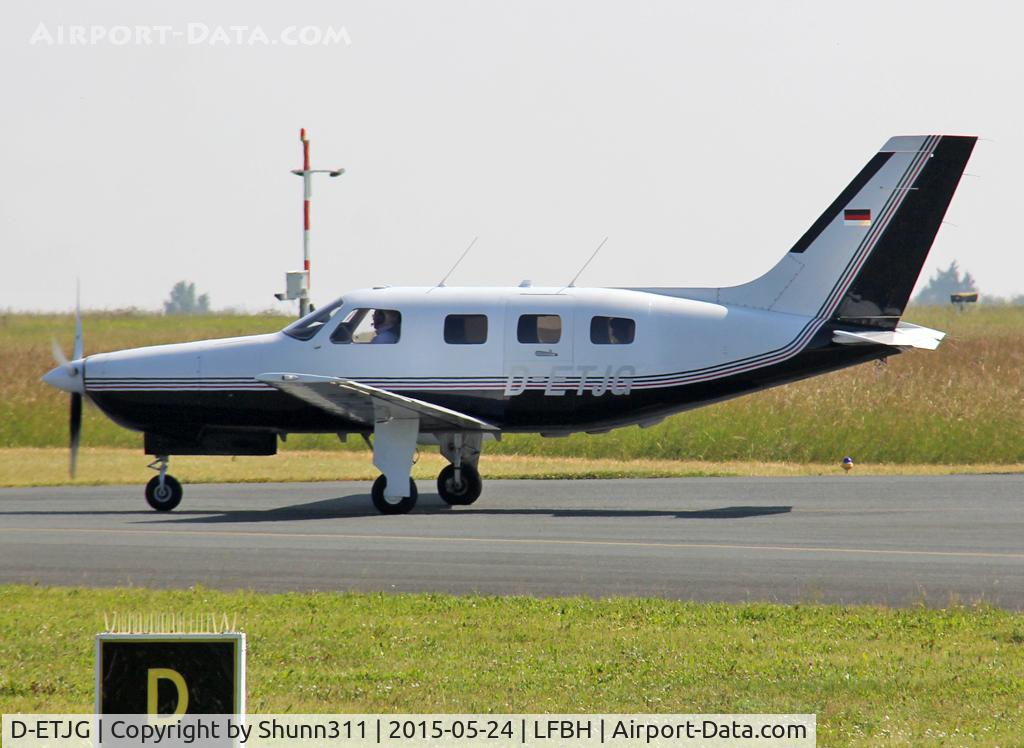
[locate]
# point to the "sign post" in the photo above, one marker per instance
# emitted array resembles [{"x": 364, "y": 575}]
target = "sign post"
[
  {"x": 298, "y": 281},
  {"x": 170, "y": 674}
]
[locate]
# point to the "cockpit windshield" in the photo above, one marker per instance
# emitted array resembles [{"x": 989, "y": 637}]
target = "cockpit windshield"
[{"x": 310, "y": 325}]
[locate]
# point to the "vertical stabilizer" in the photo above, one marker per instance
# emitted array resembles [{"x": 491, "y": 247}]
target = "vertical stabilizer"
[{"x": 860, "y": 260}]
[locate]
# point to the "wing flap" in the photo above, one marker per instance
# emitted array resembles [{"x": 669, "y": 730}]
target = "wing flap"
[{"x": 365, "y": 404}]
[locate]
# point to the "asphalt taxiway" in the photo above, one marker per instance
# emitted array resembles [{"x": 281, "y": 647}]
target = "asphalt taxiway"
[{"x": 843, "y": 539}]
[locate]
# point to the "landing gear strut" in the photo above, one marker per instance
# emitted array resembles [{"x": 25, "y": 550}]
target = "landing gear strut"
[
  {"x": 163, "y": 492},
  {"x": 459, "y": 490},
  {"x": 459, "y": 483},
  {"x": 394, "y": 443}
]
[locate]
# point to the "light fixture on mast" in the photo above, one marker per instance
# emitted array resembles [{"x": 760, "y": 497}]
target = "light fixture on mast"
[{"x": 297, "y": 281}]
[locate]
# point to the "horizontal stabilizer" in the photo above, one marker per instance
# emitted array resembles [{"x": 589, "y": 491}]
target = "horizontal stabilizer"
[
  {"x": 365, "y": 404},
  {"x": 905, "y": 335}
]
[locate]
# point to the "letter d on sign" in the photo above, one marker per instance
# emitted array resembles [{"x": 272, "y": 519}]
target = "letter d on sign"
[{"x": 154, "y": 676}]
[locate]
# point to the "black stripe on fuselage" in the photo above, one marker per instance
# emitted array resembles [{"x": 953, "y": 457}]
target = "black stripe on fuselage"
[
  {"x": 535, "y": 411},
  {"x": 188, "y": 413}
]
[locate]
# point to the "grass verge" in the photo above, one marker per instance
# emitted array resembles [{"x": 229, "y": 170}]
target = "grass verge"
[
  {"x": 874, "y": 676},
  {"x": 957, "y": 405},
  {"x": 104, "y": 466}
]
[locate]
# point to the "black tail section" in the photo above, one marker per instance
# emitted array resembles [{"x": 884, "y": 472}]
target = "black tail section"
[
  {"x": 881, "y": 289},
  {"x": 858, "y": 262}
]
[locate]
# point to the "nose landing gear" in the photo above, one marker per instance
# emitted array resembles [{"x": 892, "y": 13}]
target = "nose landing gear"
[{"x": 163, "y": 492}]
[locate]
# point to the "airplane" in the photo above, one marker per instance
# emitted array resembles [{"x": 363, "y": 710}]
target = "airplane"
[{"x": 455, "y": 366}]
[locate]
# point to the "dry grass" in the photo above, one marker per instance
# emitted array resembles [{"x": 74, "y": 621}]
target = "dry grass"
[
  {"x": 959, "y": 405},
  {"x": 30, "y": 466}
]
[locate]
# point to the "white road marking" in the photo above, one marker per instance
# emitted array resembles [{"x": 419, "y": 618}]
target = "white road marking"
[{"x": 520, "y": 541}]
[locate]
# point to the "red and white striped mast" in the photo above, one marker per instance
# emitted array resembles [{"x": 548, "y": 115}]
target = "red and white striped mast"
[{"x": 307, "y": 195}]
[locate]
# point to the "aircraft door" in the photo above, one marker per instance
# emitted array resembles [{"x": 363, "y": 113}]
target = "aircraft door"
[{"x": 539, "y": 344}]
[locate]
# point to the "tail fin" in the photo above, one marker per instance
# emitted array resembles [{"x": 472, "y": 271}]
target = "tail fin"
[{"x": 859, "y": 261}]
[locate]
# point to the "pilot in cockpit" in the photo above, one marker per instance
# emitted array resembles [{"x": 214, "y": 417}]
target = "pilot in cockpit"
[{"x": 387, "y": 325}]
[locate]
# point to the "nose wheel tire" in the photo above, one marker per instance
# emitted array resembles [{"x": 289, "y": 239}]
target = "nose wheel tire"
[
  {"x": 392, "y": 505},
  {"x": 459, "y": 493},
  {"x": 163, "y": 498}
]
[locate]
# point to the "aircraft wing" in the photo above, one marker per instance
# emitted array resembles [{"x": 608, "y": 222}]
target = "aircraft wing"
[
  {"x": 365, "y": 404},
  {"x": 905, "y": 335}
]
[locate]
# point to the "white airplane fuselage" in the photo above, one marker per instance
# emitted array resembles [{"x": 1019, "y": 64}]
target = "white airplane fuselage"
[
  {"x": 461, "y": 363},
  {"x": 679, "y": 346}
]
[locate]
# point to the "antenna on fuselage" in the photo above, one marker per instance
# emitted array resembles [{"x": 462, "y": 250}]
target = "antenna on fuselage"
[
  {"x": 457, "y": 262},
  {"x": 572, "y": 283}
]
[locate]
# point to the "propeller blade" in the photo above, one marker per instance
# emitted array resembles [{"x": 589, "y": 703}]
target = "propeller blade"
[
  {"x": 79, "y": 345},
  {"x": 58, "y": 354},
  {"x": 76, "y": 429}
]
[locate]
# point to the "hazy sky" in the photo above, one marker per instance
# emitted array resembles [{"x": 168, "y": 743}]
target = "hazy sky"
[{"x": 702, "y": 138}]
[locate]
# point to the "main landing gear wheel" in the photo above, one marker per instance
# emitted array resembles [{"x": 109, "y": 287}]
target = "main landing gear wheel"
[
  {"x": 164, "y": 497},
  {"x": 395, "y": 505},
  {"x": 459, "y": 493}
]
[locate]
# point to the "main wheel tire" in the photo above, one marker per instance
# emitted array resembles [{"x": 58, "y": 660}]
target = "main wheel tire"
[
  {"x": 459, "y": 494},
  {"x": 163, "y": 498},
  {"x": 392, "y": 506}
]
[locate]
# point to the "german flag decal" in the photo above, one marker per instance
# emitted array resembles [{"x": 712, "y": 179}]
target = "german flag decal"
[{"x": 857, "y": 217}]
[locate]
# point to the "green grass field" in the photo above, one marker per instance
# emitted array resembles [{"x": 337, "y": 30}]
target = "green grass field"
[
  {"x": 873, "y": 676},
  {"x": 958, "y": 405}
]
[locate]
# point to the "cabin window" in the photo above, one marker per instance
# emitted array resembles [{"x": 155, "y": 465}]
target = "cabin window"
[
  {"x": 612, "y": 330},
  {"x": 539, "y": 328},
  {"x": 308, "y": 326},
  {"x": 465, "y": 329},
  {"x": 366, "y": 325}
]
